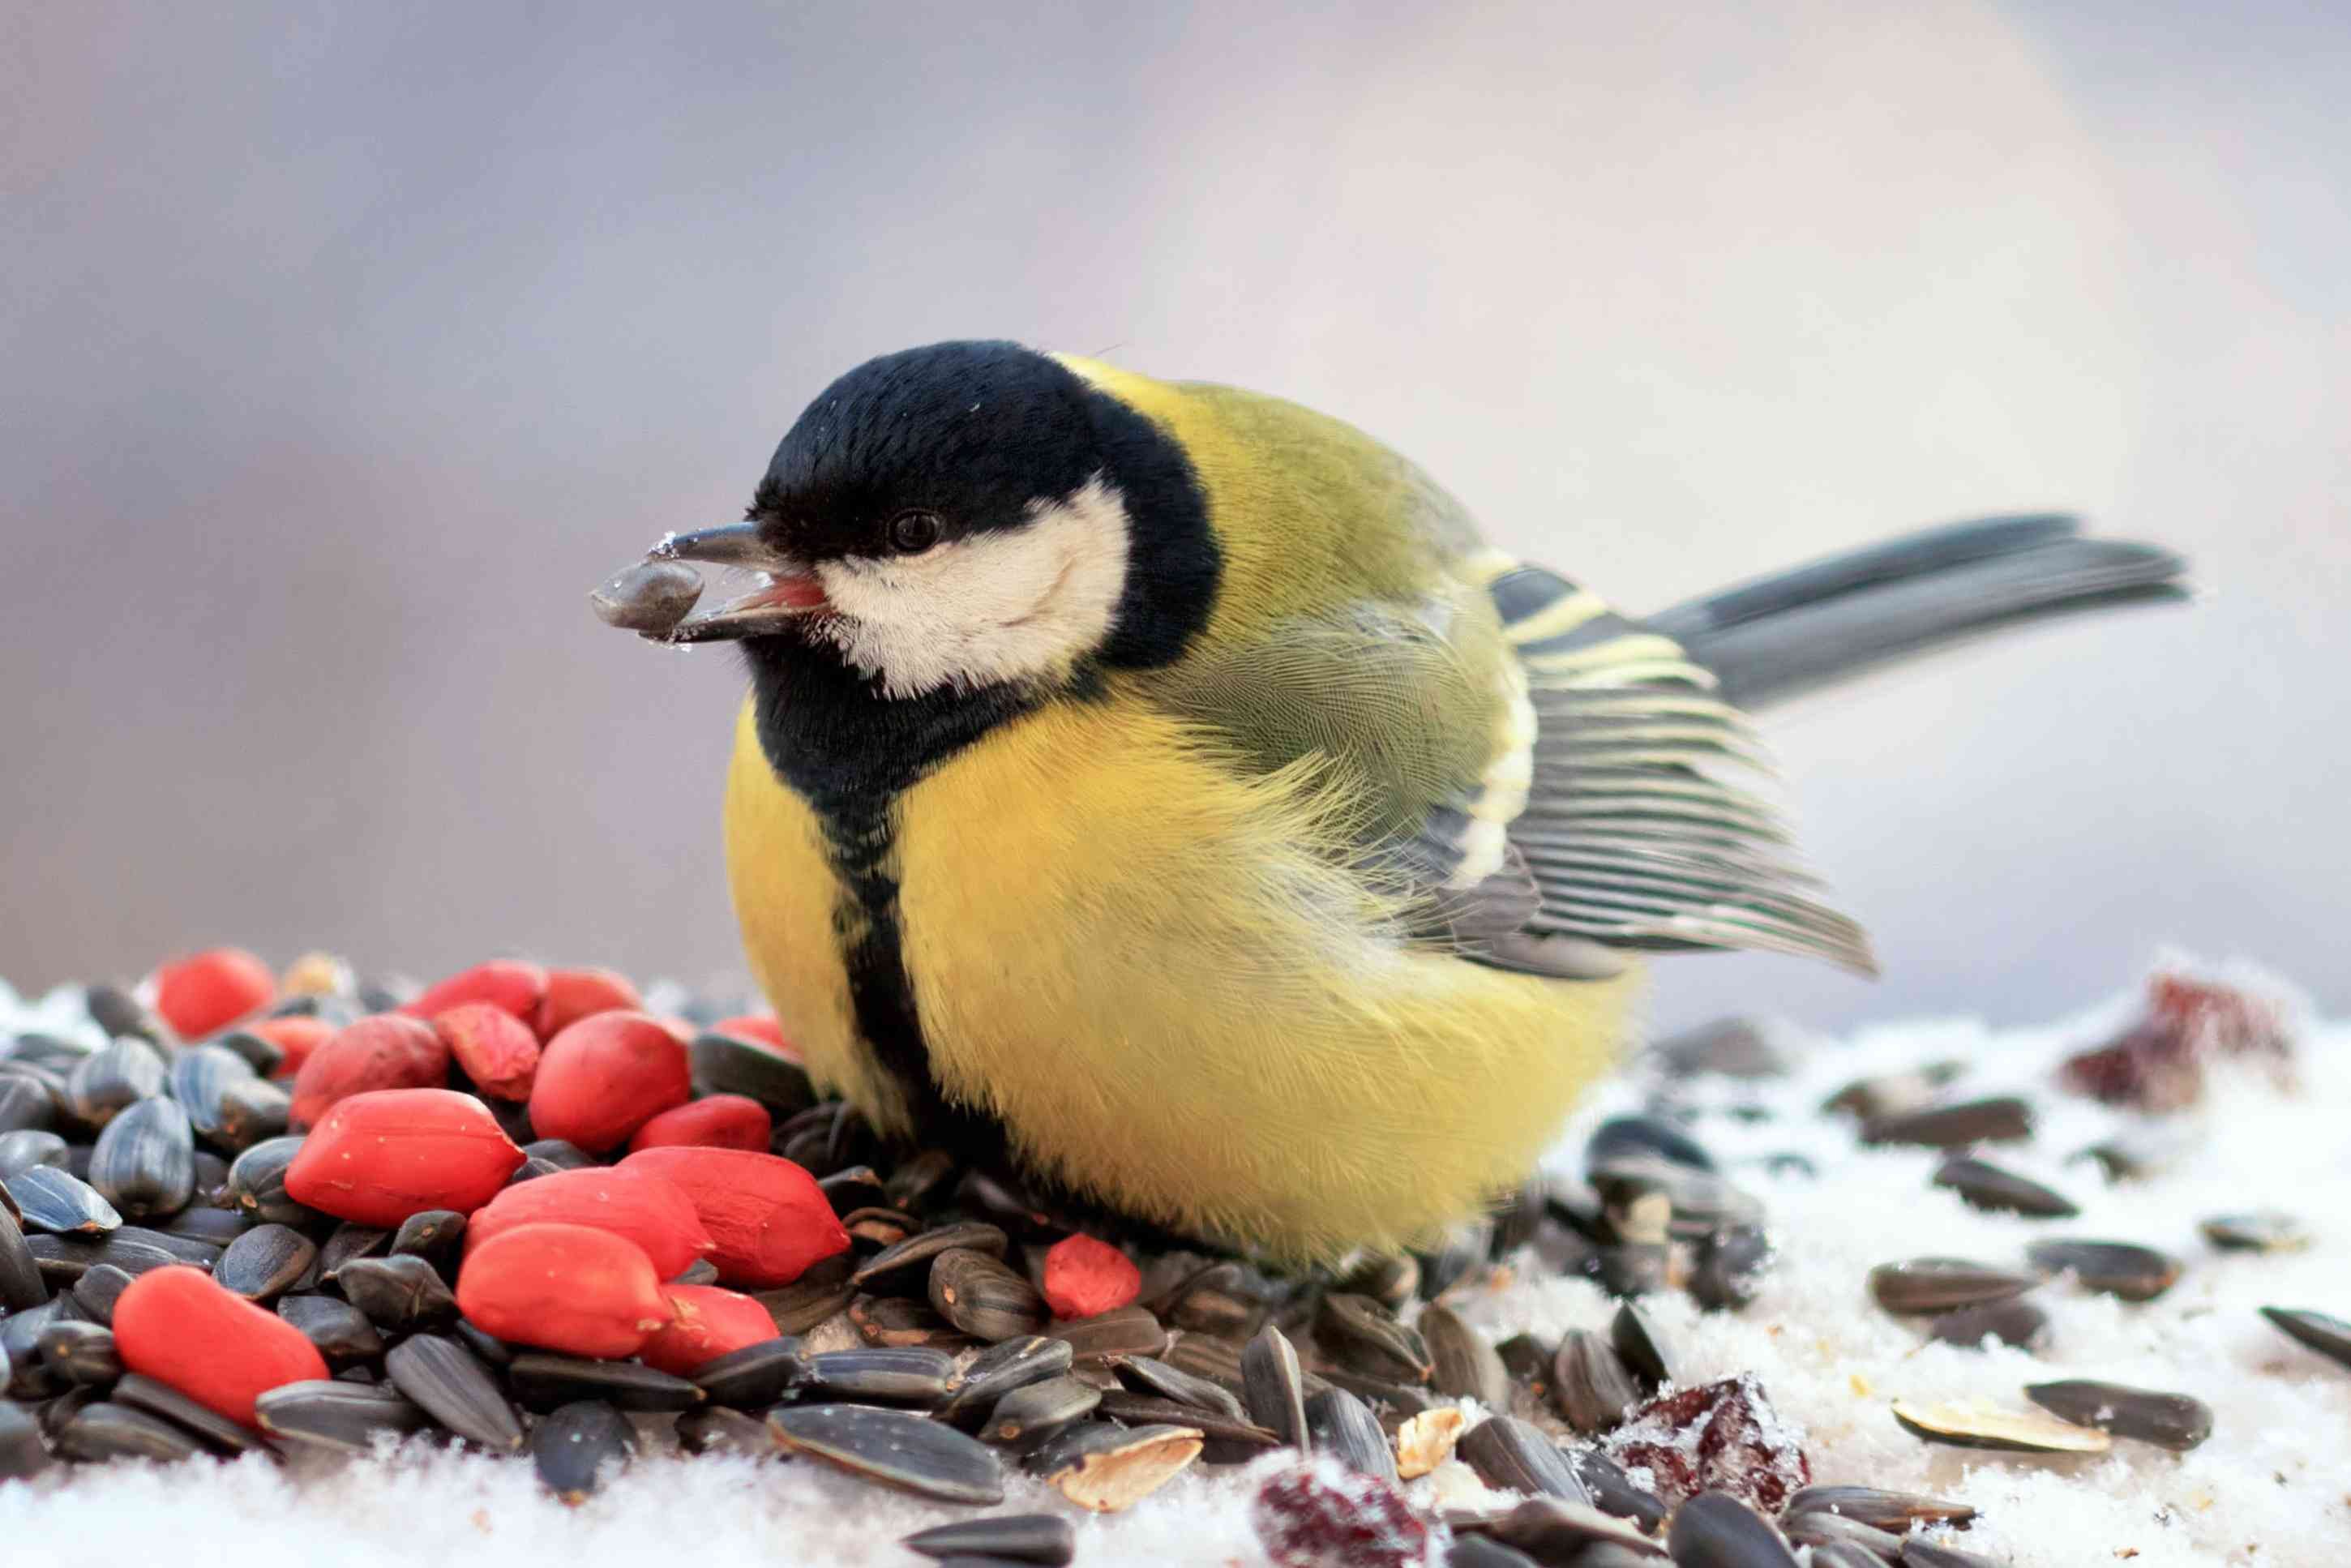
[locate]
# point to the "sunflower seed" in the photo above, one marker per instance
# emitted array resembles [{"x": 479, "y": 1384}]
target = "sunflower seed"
[
  {"x": 1027, "y": 1416},
  {"x": 396, "y": 1292},
  {"x": 432, "y": 1236},
  {"x": 1644, "y": 1137},
  {"x": 1000, "y": 1370},
  {"x": 1361, "y": 1334},
  {"x": 1512, "y": 1455},
  {"x": 1273, "y": 1390},
  {"x": 1108, "y": 1469},
  {"x": 578, "y": 1445},
  {"x": 717, "y": 1430},
  {"x": 1893, "y": 1511},
  {"x": 701, "y": 1271},
  {"x": 261, "y": 1055},
  {"x": 1237, "y": 1436},
  {"x": 340, "y": 1330},
  {"x": 256, "y": 1183},
  {"x": 1480, "y": 1552},
  {"x": 545, "y": 1382},
  {"x": 1212, "y": 1301},
  {"x": 531, "y": 1170},
  {"x": 1590, "y": 1385},
  {"x": 877, "y": 1227},
  {"x": 808, "y": 1301},
  {"x": 22, "y": 1453},
  {"x": 195, "y": 1076},
  {"x": 97, "y": 1290},
  {"x": 1731, "y": 1263},
  {"x": 754, "y": 1377},
  {"x": 1344, "y": 1428},
  {"x": 1979, "y": 1425},
  {"x": 889, "y": 1321},
  {"x": 82, "y": 1354},
  {"x": 2003, "y": 1118},
  {"x": 1696, "y": 1202},
  {"x": 1644, "y": 1348},
  {"x": 50, "y": 1200},
  {"x": 214, "y": 1227},
  {"x": 22, "y": 1151},
  {"x": 106, "y": 1082},
  {"x": 1926, "y": 1285},
  {"x": 1613, "y": 1491},
  {"x": 1204, "y": 1355},
  {"x": 108, "y": 1431},
  {"x": 893, "y": 1447},
  {"x": 900, "y": 1377},
  {"x": 145, "y": 1161},
  {"x": 27, "y": 1105},
  {"x": 1392, "y": 1280},
  {"x": 1148, "y": 1375},
  {"x": 345, "y": 1417},
  {"x": 453, "y": 1386},
  {"x": 2172, "y": 1421},
  {"x": 114, "y": 1009},
  {"x": 723, "y": 1065},
  {"x": 1820, "y": 1529},
  {"x": 2330, "y": 1337},
  {"x": 347, "y": 1244},
  {"x": 1552, "y": 1529},
  {"x": 1466, "y": 1366},
  {"x": 26, "y": 1378},
  {"x": 251, "y": 1111},
  {"x": 1040, "y": 1538},
  {"x": 982, "y": 1297},
  {"x": 1987, "y": 1187},
  {"x": 1123, "y": 1331},
  {"x": 1466, "y": 1247},
  {"x": 216, "y": 1431},
  {"x": 2117, "y": 1269},
  {"x": 904, "y": 1269},
  {"x": 649, "y": 599},
  {"x": 2266, "y": 1231},
  {"x": 2020, "y": 1322},
  {"x": 134, "y": 1250},
  {"x": 1384, "y": 1397},
  {"x": 1715, "y": 1529},
  {"x": 264, "y": 1261},
  {"x": 555, "y": 1152},
  {"x": 1918, "y": 1552}
]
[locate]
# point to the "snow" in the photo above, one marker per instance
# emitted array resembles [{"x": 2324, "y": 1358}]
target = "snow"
[{"x": 2271, "y": 1489}]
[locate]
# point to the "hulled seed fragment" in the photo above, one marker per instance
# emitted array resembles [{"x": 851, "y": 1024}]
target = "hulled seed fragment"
[
  {"x": 1979, "y": 1424},
  {"x": 2173, "y": 1421},
  {"x": 1426, "y": 1440},
  {"x": 1109, "y": 1468}
]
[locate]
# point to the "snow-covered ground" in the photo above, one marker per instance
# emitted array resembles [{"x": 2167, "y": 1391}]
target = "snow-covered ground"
[{"x": 2271, "y": 1489}]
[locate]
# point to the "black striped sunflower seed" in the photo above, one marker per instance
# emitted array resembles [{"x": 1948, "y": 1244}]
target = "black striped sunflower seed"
[
  {"x": 453, "y": 1386},
  {"x": 893, "y": 1447},
  {"x": 1273, "y": 1390},
  {"x": 578, "y": 1445},
  {"x": 1040, "y": 1538},
  {"x": 50, "y": 1201},
  {"x": 145, "y": 1161},
  {"x": 265, "y": 1262},
  {"x": 2173, "y": 1421}
]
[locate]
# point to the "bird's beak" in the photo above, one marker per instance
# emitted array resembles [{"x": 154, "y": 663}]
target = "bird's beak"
[{"x": 655, "y": 597}]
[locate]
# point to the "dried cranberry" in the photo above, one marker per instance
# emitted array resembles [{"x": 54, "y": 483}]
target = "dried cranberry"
[
  {"x": 1717, "y": 1436},
  {"x": 1321, "y": 1516}
]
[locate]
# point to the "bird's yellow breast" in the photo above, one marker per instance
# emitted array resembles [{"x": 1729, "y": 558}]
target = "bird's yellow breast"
[{"x": 1147, "y": 963}]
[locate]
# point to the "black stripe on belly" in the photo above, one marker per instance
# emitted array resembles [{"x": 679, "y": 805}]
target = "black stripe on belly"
[{"x": 835, "y": 740}]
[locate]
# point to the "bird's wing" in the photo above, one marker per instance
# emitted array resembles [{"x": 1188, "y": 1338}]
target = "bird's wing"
[
  {"x": 1540, "y": 780},
  {"x": 1643, "y": 827}
]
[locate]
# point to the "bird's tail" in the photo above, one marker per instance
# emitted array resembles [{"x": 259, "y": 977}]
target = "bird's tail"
[{"x": 1780, "y": 636}]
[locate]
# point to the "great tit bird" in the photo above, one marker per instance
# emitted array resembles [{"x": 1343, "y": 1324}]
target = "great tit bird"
[{"x": 1161, "y": 786}]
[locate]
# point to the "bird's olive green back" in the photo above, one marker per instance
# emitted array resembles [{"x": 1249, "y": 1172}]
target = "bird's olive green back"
[{"x": 1352, "y": 622}]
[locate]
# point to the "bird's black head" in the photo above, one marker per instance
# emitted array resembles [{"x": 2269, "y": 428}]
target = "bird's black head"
[{"x": 972, "y": 515}]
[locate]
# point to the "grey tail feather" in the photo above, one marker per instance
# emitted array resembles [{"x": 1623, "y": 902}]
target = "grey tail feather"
[{"x": 1780, "y": 636}]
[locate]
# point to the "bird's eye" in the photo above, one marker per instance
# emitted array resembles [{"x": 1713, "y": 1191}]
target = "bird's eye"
[{"x": 911, "y": 533}]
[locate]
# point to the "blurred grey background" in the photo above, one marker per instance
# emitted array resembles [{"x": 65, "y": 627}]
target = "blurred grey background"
[{"x": 342, "y": 349}]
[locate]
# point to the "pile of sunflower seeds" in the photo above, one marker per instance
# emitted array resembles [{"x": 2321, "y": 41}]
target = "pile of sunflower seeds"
[{"x": 925, "y": 1358}]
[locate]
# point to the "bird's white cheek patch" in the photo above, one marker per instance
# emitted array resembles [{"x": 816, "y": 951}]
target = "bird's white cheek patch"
[{"x": 994, "y": 607}]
